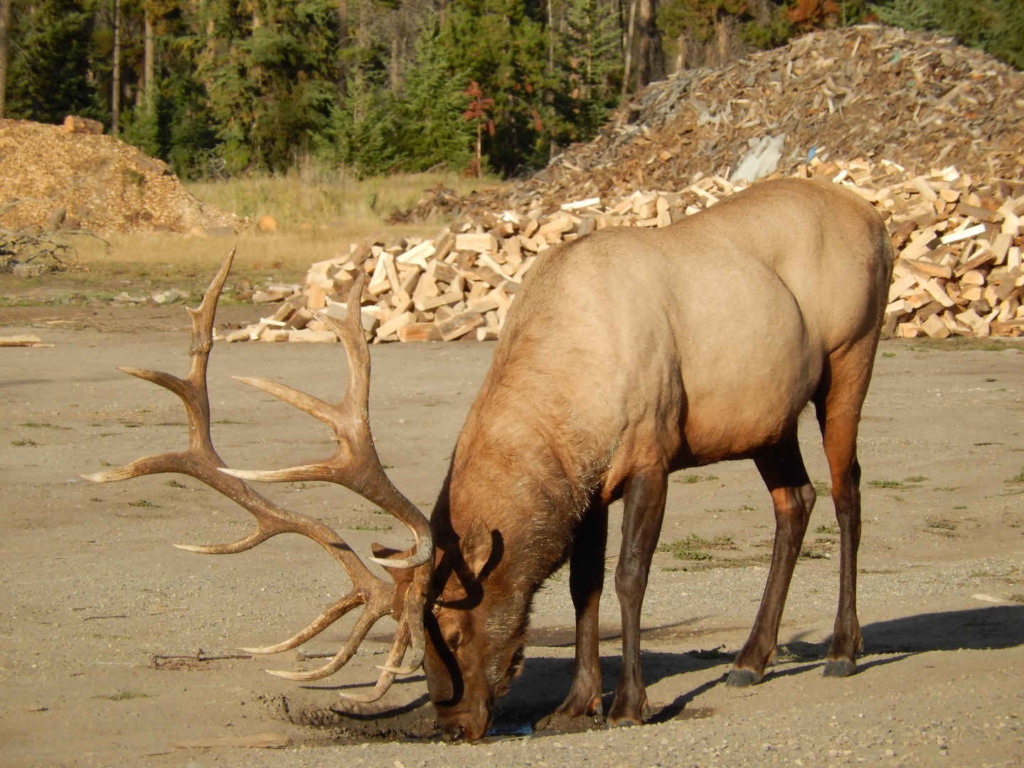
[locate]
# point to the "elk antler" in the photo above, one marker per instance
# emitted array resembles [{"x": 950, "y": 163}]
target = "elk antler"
[{"x": 355, "y": 465}]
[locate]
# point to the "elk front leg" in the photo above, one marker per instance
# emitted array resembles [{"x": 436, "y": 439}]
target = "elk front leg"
[
  {"x": 782, "y": 469},
  {"x": 644, "y": 499},
  {"x": 586, "y": 582}
]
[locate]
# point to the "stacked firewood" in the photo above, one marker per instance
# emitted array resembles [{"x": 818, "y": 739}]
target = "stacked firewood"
[{"x": 957, "y": 272}]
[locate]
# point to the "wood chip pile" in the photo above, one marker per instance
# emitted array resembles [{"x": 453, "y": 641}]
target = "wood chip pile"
[
  {"x": 54, "y": 178},
  {"x": 958, "y": 271},
  {"x": 859, "y": 92}
]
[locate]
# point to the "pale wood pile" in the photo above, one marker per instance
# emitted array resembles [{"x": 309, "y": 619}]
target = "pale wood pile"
[
  {"x": 958, "y": 270},
  {"x": 856, "y": 92}
]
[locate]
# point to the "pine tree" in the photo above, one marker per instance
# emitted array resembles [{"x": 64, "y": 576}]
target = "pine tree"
[
  {"x": 590, "y": 64},
  {"x": 431, "y": 112},
  {"x": 502, "y": 46},
  {"x": 364, "y": 122},
  {"x": 48, "y": 74},
  {"x": 996, "y": 26},
  {"x": 5, "y": 25}
]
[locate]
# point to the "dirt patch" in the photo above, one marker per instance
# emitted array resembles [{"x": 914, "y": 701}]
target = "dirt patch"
[
  {"x": 117, "y": 648},
  {"x": 112, "y": 317}
]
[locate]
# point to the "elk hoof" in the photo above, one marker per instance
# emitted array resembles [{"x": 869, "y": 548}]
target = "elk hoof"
[
  {"x": 586, "y": 706},
  {"x": 839, "y": 668},
  {"x": 624, "y": 716},
  {"x": 742, "y": 678}
]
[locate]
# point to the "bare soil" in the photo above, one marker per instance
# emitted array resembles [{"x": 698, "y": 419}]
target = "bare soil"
[{"x": 117, "y": 649}]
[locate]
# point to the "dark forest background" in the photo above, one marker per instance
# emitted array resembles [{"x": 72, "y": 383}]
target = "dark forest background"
[{"x": 227, "y": 87}]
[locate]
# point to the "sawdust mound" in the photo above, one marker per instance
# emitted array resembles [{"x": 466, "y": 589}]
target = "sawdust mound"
[
  {"x": 52, "y": 179},
  {"x": 867, "y": 92}
]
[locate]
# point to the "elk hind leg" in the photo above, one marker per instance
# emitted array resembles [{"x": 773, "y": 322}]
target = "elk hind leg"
[
  {"x": 782, "y": 469},
  {"x": 586, "y": 582},
  {"x": 838, "y": 411},
  {"x": 644, "y": 511}
]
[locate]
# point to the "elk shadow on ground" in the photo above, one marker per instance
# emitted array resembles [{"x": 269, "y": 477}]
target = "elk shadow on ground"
[{"x": 545, "y": 679}]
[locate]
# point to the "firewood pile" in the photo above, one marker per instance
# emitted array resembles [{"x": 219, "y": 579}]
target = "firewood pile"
[
  {"x": 69, "y": 178},
  {"x": 859, "y": 92},
  {"x": 958, "y": 270},
  {"x": 929, "y": 131}
]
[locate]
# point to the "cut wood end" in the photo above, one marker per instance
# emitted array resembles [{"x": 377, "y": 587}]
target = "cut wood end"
[{"x": 21, "y": 341}]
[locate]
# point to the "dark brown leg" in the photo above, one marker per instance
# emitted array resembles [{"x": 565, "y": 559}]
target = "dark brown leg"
[
  {"x": 586, "y": 581},
  {"x": 838, "y": 411},
  {"x": 782, "y": 469},
  {"x": 644, "y": 499}
]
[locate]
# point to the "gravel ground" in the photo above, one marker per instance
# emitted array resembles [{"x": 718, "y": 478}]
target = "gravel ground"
[{"x": 91, "y": 590}]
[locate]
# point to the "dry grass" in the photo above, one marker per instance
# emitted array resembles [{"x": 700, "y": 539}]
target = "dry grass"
[
  {"x": 312, "y": 198},
  {"x": 318, "y": 214}
]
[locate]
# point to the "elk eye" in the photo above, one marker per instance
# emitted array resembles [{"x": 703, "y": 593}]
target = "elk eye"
[{"x": 454, "y": 639}]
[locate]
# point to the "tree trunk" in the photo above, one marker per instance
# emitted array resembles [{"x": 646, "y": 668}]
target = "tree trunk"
[
  {"x": 627, "y": 47},
  {"x": 5, "y": 25},
  {"x": 682, "y": 50},
  {"x": 395, "y": 65},
  {"x": 723, "y": 39},
  {"x": 344, "y": 41},
  {"x": 115, "y": 88},
  {"x": 149, "y": 65},
  {"x": 651, "y": 64}
]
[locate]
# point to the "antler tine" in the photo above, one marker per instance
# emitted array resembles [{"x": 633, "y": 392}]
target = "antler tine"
[
  {"x": 202, "y": 462},
  {"x": 315, "y": 627},
  {"x": 387, "y": 674},
  {"x": 355, "y": 463},
  {"x": 363, "y": 625}
]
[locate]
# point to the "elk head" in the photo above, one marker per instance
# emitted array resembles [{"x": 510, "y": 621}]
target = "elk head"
[
  {"x": 475, "y": 621},
  {"x": 460, "y": 610}
]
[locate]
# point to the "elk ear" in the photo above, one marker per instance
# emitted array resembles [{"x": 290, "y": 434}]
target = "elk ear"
[{"x": 477, "y": 546}]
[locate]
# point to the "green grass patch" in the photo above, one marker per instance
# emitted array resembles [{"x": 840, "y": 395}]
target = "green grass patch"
[
  {"x": 829, "y": 529},
  {"x": 813, "y": 552},
  {"x": 692, "y": 479},
  {"x": 907, "y": 482},
  {"x": 24, "y": 443},
  {"x": 41, "y": 425},
  {"x": 125, "y": 695},
  {"x": 143, "y": 503},
  {"x": 963, "y": 344},
  {"x": 695, "y": 547},
  {"x": 941, "y": 526}
]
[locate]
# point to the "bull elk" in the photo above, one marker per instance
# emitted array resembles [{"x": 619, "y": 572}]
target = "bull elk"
[{"x": 587, "y": 402}]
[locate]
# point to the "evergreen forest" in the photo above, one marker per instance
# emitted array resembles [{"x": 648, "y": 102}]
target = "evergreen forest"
[{"x": 221, "y": 88}]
